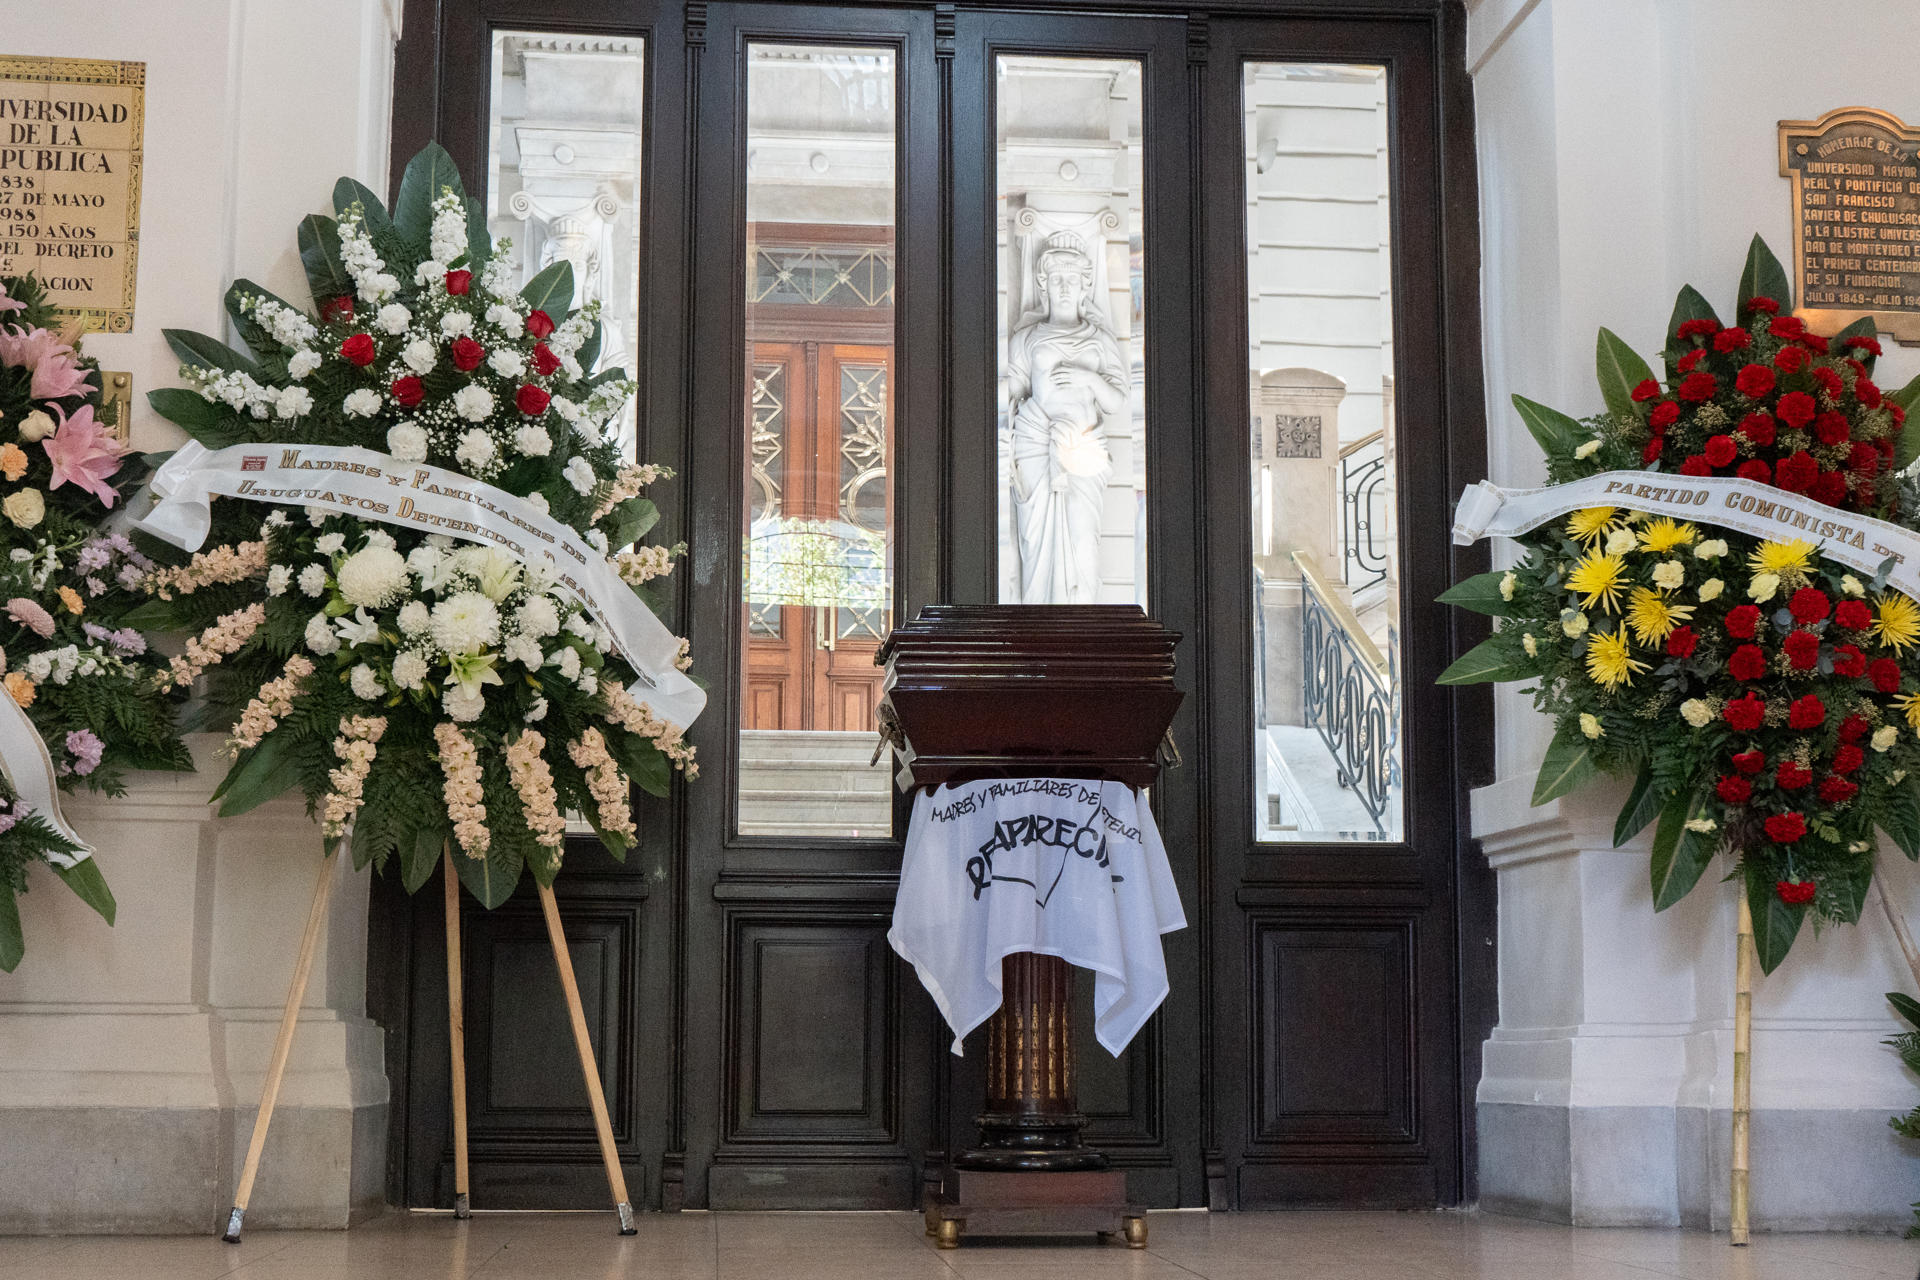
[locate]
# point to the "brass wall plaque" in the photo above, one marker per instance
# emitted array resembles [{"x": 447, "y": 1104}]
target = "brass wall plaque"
[
  {"x": 1856, "y": 219},
  {"x": 116, "y": 403},
  {"x": 70, "y": 137}
]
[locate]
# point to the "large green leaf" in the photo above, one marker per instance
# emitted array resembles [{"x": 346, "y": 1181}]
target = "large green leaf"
[
  {"x": 84, "y": 878},
  {"x": 1906, "y": 445},
  {"x": 1764, "y": 277},
  {"x": 1480, "y": 593},
  {"x": 1643, "y": 806},
  {"x": 1689, "y": 305},
  {"x": 261, "y": 773},
  {"x": 491, "y": 879},
  {"x": 1906, "y": 1006},
  {"x": 13, "y": 944},
  {"x": 1679, "y": 855},
  {"x": 552, "y": 290},
  {"x": 1567, "y": 767},
  {"x": 373, "y": 210},
  {"x": 1619, "y": 369},
  {"x": 1557, "y": 434},
  {"x": 479, "y": 239},
  {"x": 1899, "y": 817},
  {"x": 189, "y": 409},
  {"x": 1490, "y": 660},
  {"x": 427, "y": 173},
  {"x": 631, "y": 521},
  {"x": 420, "y": 855},
  {"x": 319, "y": 240},
  {"x": 1774, "y": 922},
  {"x": 204, "y": 352}
]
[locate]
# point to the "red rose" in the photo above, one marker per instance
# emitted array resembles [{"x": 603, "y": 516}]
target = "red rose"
[
  {"x": 1741, "y": 620},
  {"x": 1848, "y": 758},
  {"x": 1787, "y": 327},
  {"x": 1855, "y": 726},
  {"x": 1807, "y": 713},
  {"x": 1830, "y": 488},
  {"x": 1796, "y": 892},
  {"x": 1750, "y": 761},
  {"x": 1695, "y": 466},
  {"x": 1652, "y": 452},
  {"x": 539, "y": 324},
  {"x": 1790, "y": 359},
  {"x": 1688, "y": 362},
  {"x": 408, "y": 391},
  {"x": 359, "y": 349},
  {"x": 1838, "y": 790},
  {"x": 1803, "y": 649},
  {"x": 1698, "y": 386},
  {"x": 1868, "y": 393},
  {"x": 1721, "y": 450},
  {"x": 1645, "y": 389},
  {"x": 1852, "y": 615},
  {"x": 1758, "y": 427},
  {"x": 340, "y": 309},
  {"x": 1831, "y": 427},
  {"x": 1869, "y": 345},
  {"x": 1734, "y": 790},
  {"x": 1761, "y": 302},
  {"x": 1753, "y": 381},
  {"x": 1849, "y": 664},
  {"x": 1829, "y": 381},
  {"x": 1731, "y": 340},
  {"x": 1682, "y": 641},
  {"x": 1814, "y": 342},
  {"x": 1809, "y": 604},
  {"x": 1745, "y": 713},
  {"x": 1796, "y": 472},
  {"x": 1747, "y": 663},
  {"x": 1864, "y": 458},
  {"x": 1885, "y": 674},
  {"x": 1785, "y": 828},
  {"x": 1792, "y": 776},
  {"x": 1796, "y": 408},
  {"x": 467, "y": 354},
  {"x": 1754, "y": 469},
  {"x": 1705, "y": 326},
  {"x": 458, "y": 282},
  {"x": 531, "y": 400},
  {"x": 544, "y": 361},
  {"x": 1664, "y": 415}
]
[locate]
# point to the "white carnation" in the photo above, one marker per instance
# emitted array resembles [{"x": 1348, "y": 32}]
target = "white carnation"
[
  {"x": 1587, "y": 450},
  {"x": 414, "y": 618},
  {"x": 365, "y": 682},
  {"x": 320, "y": 637},
  {"x": 506, "y": 319},
  {"x": 363, "y": 403},
  {"x": 473, "y": 402},
  {"x": 420, "y": 355},
  {"x": 537, "y": 617},
  {"x": 1884, "y": 737},
  {"x": 292, "y": 402},
  {"x": 462, "y": 704},
  {"x": 330, "y": 543},
  {"x": 429, "y": 271},
  {"x": 1621, "y": 541},
  {"x": 409, "y": 669},
  {"x": 588, "y": 682},
  {"x": 566, "y": 661},
  {"x": 597, "y": 540},
  {"x": 303, "y": 362},
  {"x": 317, "y": 516},
  {"x": 507, "y": 362},
  {"x": 456, "y": 324},
  {"x": 1696, "y": 713},
  {"x": 577, "y": 623},
  {"x": 372, "y": 576},
  {"x": 476, "y": 447},
  {"x": 537, "y": 712},
  {"x": 524, "y": 650},
  {"x": 579, "y": 474},
  {"x": 313, "y": 580},
  {"x": 407, "y": 441},
  {"x": 393, "y": 319},
  {"x": 538, "y": 501},
  {"x": 466, "y": 622},
  {"x": 379, "y": 538},
  {"x": 1669, "y": 575},
  {"x": 279, "y": 577}
]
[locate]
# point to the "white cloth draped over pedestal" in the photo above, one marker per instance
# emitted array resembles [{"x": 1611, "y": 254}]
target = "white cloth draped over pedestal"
[{"x": 1058, "y": 866}]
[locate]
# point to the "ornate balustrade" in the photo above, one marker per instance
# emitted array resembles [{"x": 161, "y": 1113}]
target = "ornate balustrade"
[{"x": 1349, "y": 688}]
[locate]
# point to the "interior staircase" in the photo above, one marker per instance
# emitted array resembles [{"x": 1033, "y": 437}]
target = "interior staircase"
[{"x": 803, "y": 782}]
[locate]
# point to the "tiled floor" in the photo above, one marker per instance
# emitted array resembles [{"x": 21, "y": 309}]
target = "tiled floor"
[{"x": 893, "y": 1246}]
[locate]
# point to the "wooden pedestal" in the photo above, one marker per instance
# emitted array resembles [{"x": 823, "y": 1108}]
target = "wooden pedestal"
[{"x": 993, "y": 1203}]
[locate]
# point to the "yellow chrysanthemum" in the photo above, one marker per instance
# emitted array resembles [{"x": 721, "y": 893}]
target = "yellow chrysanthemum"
[
  {"x": 1598, "y": 579},
  {"x": 1896, "y": 621},
  {"x": 1610, "y": 660},
  {"x": 1782, "y": 559},
  {"x": 1909, "y": 703},
  {"x": 1664, "y": 534},
  {"x": 1653, "y": 617},
  {"x": 1591, "y": 524}
]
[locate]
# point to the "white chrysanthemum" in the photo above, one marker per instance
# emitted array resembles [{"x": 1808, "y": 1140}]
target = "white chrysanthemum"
[
  {"x": 537, "y": 617},
  {"x": 279, "y": 578},
  {"x": 579, "y": 474},
  {"x": 533, "y": 441},
  {"x": 538, "y": 501},
  {"x": 537, "y": 712},
  {"x": 473, "y": 403},
  {"x": 476, "y": 449},
  {"x": 365, "y": 682},
  {"x": 393, "y": 319},
  {"x": 507, "y": 362},
  {"x": 414, "y": 618},
  {"x": 372, "y": 576},
  {"x": 409, "y": 670},
  {"x": 456, "y": 324},
  {"x": 320, "y": 637},
  {"x": 302, "y": 362},
  {"x": 407, "y": 441},
  {"x": 566, "y": 661},
  {"x": 313, "y": 580},
  {"x": 463, "y": 705},
  {"x": 420, "y": 355},
  {"x": 466, "y": 622},
  {"x": 524, "y": 650},
  {"x": 429, "y": 271},
  {"x": 292, "y": 402},
  {"x": 328, "y": 544},
  {"x": 541, "y": 576},
  {"x": 361, "y": 403}
]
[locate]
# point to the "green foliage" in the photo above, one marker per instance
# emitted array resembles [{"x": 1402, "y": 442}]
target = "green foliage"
[
  {"x": 1567, "y": 766},
  {"x": 427, "y": 174},
  {"x": 552, "y": 290},
  {"x": 1491, "y": 660},
  {"x": 1556, "y": 433},
  {"x": 1764, "y": 277},
  {"x": 1619, "y": 369},
  {"x": 1775, "y": 923},
  {"x": 1680, "y": 853},
  {"x": 1480, "y": 594},
  {"x": 319, "y": 241}
]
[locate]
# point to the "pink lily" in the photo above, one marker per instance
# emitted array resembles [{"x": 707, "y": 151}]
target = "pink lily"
[
  {"x": 84, "y": 452},
  {"x": 9, "y": 304},
  {"x": 55, "y": 375}
]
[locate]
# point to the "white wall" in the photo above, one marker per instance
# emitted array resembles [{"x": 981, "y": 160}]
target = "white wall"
[
  {"x": 130, "y": 1058},
  {"x": 1627, "y": 147}
]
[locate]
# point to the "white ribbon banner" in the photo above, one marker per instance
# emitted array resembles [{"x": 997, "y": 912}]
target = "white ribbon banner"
[
  {"x": 1745, "y": 506},
  {"x": 29, "y": 771},
  {"x": 374, "y": 486}
]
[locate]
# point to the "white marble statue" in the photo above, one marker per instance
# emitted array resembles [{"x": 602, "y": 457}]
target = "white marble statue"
[{"x": 1066, "y": 375}]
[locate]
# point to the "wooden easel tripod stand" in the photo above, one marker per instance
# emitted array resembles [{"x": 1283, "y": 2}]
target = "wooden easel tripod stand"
[{"x": 456, "y": 1029}]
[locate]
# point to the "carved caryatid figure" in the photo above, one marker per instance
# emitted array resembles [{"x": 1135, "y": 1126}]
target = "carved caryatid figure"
[{"x": 1065, "y": 376}]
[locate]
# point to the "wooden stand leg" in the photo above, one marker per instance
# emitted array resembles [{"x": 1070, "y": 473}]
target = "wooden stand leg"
[
  {"x": 457, "y": 1041},
  {"x": 277, "y": 1066},
  {"x": 1742, "y": 1071},
  {"x": 595, "y": 1096}
]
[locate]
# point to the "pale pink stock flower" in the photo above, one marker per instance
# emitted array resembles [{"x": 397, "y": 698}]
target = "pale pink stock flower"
[
  {"x": 224, "y": 564},
  {"x": 55, "y": 375},
  {"x": 638, "y": 718},
  {"x": 84, "y": 452},
  {"x": 273, "y": 702},
  {"x": 224, "y": 637},
  {"x": 359, "y": 736},
  {"x": 462, "y": 790},
  {"x": 604, "y": 780},
  {"x": 30, "y": 615},
  {"x": 533, "y": 782}
]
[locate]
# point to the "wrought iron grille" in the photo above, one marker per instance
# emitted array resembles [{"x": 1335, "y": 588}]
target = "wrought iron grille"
[
  {"x": 1363, "y": 539},
  {"x": 1350, "y": 693}
]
